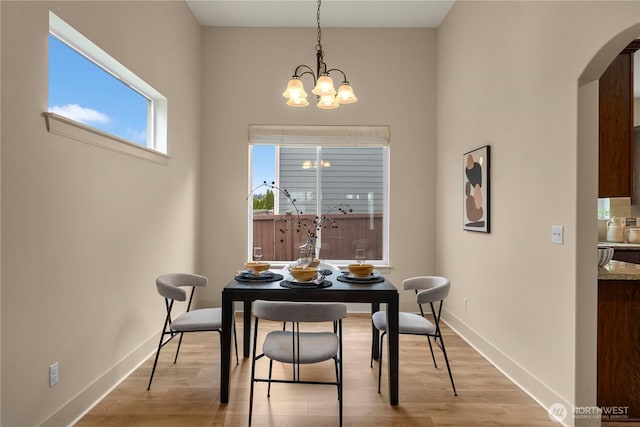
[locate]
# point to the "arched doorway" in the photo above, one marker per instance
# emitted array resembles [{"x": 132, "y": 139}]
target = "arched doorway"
[{"x": 586, "y": 223}]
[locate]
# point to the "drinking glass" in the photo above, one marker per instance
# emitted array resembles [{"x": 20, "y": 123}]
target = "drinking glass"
[
  {"x": 257, "y": 253},
  {"x": 361, "y": 255}
]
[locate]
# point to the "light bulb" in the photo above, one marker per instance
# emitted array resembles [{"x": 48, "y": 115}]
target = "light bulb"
[
  {"x": 328, "y": 102},
  {"x": 324, "y": 86},
  {"x": 300, "y": 102},
  {"x": 345, "y": 94},
  {"x": 295, "y": 89}
]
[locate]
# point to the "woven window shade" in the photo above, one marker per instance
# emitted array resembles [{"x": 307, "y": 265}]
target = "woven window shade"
[{"x": 346, "y": 136}]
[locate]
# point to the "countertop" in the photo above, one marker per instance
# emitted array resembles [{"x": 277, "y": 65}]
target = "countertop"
[
  {"x": 618, "y": 270},
  {"x": 619, "y": 246}
]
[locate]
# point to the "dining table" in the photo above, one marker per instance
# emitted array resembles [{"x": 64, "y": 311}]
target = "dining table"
[{"x": 335, "y": 286}]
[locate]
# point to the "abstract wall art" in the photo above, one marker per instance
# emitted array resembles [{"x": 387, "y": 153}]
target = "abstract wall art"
[{"x": 475, "y": 216}]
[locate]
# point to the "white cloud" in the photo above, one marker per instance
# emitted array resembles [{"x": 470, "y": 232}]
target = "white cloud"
[
  {"x": 80, "y": 114},
  {"x": 137, "y": 136}
]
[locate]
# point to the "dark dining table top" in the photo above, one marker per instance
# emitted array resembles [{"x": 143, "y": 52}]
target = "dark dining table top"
[{"x": 344, "y": 288}]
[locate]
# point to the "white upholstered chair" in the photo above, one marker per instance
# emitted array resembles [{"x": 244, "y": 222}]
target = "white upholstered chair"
[
  {"x": 296, "y": 347},
  {"x": 170, "y": 286},
  {"x": 429, "y": 290}
]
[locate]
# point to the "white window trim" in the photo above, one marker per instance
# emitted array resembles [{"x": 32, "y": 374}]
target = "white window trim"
[
  {"x": 332, "y": 136},
  {"x": 157, "y": 129}
]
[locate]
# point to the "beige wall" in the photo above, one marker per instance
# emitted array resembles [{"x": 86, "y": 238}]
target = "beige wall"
[
  {"x": 0, "y": 225},
  {"x": 245, "y": 72},
  {"x": 508, "y": 76},
  {"x": 85, "y": 230},
  {"x": 636, "y": 108}
]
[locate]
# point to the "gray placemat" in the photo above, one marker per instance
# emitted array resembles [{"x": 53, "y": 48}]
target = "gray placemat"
[
  {"x": 365, "y": 280},
  {"x": 264, "y": 277},
  {"x": 305, "y": 285}
]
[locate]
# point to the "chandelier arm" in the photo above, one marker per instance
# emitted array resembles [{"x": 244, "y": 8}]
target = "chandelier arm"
[
  {"x": 344, "y": 76},
  {"x": 299, "y": 67},
  {"x": 310, "y": 72}
]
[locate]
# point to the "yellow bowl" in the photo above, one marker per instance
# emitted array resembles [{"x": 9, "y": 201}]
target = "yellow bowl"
[
  {"x": 361, "y": 270},
  {"x": 257, "y": 267},
  {"x": 302, "y": 274}
]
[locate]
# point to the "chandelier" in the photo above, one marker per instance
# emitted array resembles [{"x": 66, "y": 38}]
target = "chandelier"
[{"x": 324, "y": 90}]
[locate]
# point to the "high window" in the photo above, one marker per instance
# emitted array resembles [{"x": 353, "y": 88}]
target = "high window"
[
  {"x": 336, "y": 175},
  {"x": 90, "y": 87}
]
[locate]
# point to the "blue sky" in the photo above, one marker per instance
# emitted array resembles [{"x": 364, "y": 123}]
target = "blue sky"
[
  {"x": 84, "y": 92},
  {"x": 264, "y": 165}
]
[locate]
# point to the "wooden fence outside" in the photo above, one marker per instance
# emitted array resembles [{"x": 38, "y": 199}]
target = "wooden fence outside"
[{"x": 280, "y": 237}]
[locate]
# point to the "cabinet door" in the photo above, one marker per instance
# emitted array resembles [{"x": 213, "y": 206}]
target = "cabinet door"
[
  {"x": 615, "y": 177},
  {"x": 627, "y": 256},
  {"x": 619, "y": 347}
]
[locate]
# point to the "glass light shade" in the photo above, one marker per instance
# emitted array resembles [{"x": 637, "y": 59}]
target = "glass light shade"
[
  {"x": 345, "y": 94},
  {"x": 328, "y": 102},
  {"x": 324, "y": 86},
  {"x": 295, "y": 90},
  {"x": 300, "y": 102}
]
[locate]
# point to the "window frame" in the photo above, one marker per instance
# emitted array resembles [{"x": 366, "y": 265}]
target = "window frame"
[
  {"x": 156, "y": 110},
  {"x": 314, "y": 136}
]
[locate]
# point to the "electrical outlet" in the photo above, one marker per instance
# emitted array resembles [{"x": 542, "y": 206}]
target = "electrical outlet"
[
  {"x": 557, "y": 234},
  {"x": 53, "y": 374},
  {"x": 466, "y": 304}
]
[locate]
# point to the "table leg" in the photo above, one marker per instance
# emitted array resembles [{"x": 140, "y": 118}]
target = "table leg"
[
  {"x": 246, "y": 329},
  {"x": 393, "y": 347},
  {"x": 225, "y": 344},
  {"x": 375, "y": 335}
]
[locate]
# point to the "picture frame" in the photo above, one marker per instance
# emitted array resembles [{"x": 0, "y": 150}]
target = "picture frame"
[{"x": 476, "y": 190}]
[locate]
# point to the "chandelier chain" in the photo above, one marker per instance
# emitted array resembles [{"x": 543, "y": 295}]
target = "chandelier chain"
[{"x": 319, "y": 45}]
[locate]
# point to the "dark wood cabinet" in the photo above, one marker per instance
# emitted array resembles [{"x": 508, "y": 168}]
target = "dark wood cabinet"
[
  {"x": 619, "y": 348},
  {"x": 632, "y": 256},
  {"x": 615, "y": 175}
]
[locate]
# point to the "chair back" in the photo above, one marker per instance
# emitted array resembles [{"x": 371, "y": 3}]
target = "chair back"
[
  {"x": 282, "y": 311},
  {"x": 169, "y": 285},
  {"x": 429, "y": 288}
]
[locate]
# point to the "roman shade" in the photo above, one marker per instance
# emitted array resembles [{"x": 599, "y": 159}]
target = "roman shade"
[{"x": 337, "y": 136}]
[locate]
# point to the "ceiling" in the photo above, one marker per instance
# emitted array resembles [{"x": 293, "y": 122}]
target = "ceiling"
[{"x": 334, "y": 13}]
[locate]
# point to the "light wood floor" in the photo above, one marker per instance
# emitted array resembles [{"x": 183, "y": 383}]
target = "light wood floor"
[{"x": 187, "y": 393}]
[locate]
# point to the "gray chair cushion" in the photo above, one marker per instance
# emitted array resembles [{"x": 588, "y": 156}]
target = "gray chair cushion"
[
  {"x": 204, "y": 319},
  {"x": 408, "y": 323},
  {"x": 314, "y": 346}
]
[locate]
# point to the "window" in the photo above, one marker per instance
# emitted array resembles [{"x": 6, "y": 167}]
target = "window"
[
  {"x": 88, "y": 86},
  {"x": 327, "y": 170}
]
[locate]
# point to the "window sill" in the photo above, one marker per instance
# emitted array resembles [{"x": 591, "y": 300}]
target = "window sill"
[{"x": 68, "y": 128}]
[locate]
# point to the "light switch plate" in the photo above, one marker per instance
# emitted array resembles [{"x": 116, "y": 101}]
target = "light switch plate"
[
  {"x": 557, "y": 234},
  {"x": 53, "y": 374}
]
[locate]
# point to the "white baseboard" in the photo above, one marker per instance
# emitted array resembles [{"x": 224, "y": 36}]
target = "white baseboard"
[
  {"x": 519, "y": 375},
  {"x": 86, "y": 399}
]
